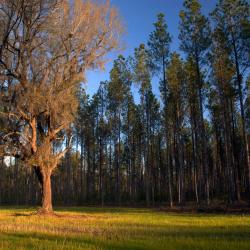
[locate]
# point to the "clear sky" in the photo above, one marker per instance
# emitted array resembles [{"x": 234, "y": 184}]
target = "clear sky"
[{"x": 138, "y": 17}]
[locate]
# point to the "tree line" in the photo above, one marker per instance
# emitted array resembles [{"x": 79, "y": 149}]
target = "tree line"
[{"x": 189, "y": 145}]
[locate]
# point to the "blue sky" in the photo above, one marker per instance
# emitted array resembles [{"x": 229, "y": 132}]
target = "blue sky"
[{"x": 138, "y": 17}]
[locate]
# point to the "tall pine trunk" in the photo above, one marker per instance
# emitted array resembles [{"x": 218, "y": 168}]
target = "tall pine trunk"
[
  {"x": 242, "y": 112},
  {"x": 203, "y": 133}
]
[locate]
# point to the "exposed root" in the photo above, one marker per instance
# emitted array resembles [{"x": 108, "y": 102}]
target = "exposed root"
[{"x": 45, "y": 212}]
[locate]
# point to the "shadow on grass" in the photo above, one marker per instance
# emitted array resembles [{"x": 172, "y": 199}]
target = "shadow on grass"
[
  {"x": 56, "y": 215},
  {"x": 22, "y": 214},
  {"x": 154, "y": 238},
  {"x": 149, "y": 211},
  {"x": 106, "y": 212},
  {"x": 97, "y": 209},
  {"x": 33, "y": 240},
  {"x": 119, "y": 210}
]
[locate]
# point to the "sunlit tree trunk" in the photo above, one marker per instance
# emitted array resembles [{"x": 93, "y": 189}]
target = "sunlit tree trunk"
[{"x": 46, "y": 192}]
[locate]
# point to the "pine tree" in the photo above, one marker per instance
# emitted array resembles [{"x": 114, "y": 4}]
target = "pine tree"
[
  {"x": 232, "y": 17},
  {"x": 194, "y": 37},
  {"x": 159, "y": 42}
]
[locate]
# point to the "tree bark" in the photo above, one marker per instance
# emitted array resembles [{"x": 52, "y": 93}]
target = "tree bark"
[{"x": 46, "y": 193}]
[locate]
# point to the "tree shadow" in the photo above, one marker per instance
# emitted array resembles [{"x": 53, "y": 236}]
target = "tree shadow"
[
  {"x": 62, "y": 242},
  {"x": 21, "y": 214},
  {"x": 157, "y": 236},
  {"x": 98, "y": 209}
]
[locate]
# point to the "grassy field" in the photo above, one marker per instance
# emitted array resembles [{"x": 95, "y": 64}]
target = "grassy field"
[{"x": 121, "y": 228}]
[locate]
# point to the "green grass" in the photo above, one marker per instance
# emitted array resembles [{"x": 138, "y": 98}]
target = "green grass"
[{"x": 121, "y": 228}]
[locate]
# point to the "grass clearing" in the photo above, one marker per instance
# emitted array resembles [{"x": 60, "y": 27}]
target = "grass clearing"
[{"x": 121, "y": 228}]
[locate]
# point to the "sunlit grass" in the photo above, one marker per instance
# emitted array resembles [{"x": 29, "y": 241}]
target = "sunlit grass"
[{"x": 121, "y": 228}]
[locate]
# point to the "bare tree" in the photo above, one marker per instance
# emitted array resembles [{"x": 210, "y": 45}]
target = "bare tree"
[{"x": 46, "y": 46}]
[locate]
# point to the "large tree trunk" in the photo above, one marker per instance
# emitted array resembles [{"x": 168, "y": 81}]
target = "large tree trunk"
[{"x": 46, "y": 193}]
